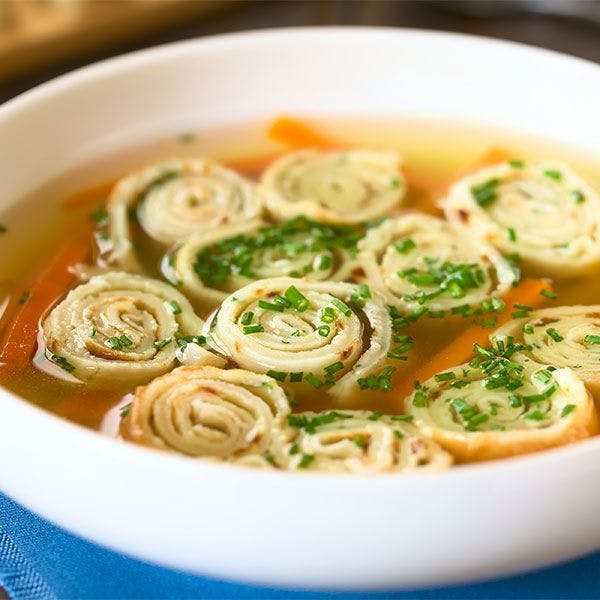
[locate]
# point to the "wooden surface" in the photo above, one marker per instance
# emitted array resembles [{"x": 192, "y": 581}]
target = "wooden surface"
[{"x": 567, "y": 35}]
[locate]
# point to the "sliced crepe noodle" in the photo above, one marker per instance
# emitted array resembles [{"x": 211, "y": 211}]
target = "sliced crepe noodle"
[
  {"x": 173, "y": 200},
  {"x": 210, "y": 266},
  {"x": 475, "y": 422},
  {"x": 336, "y": 187},
  {"x": 543, "y": 212},
  {"x": 417, "y": 260},
  {"x": 565, "y": 336},
  {"x": 205, "y": 411},
  {"x": 120, "y": 328},
  {"x": 356, "y": 442},
  {"x": 296, "y": 345}
]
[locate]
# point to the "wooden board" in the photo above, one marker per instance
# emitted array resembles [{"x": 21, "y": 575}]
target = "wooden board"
[{"x": 36, "y": 33}]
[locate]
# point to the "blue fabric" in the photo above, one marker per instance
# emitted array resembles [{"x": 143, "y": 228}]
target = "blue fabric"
[{"x": 41, "y": 562}]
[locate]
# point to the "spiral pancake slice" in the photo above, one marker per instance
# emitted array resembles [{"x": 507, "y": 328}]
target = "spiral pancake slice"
[
  {"x": 336, "y": 187},
  {"x": 419, "y": 260},
  {"x": 503, "y": 406},
  {"x": 175, "y": 199},
  {"x": 308, "y": 334},
  {"x": 565, "y": 336},
  {"x": 209, "y": 412},
  {"x": 120, "y": 328},
  {"x": 356, "y": 442},
  {"x": 210, "y": 266},
  {"x": 543, "y": 212}
]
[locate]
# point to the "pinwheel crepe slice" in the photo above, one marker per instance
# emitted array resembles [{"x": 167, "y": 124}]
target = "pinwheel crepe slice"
[
  {"x": 306, "y": 334},
  {"x": 503, "y": 407},
  {"x": 173, "y": 200},
  {"x": 210, "y": 266},
  {"x": 356, "y": 442},
  {"x": 120, "y": 328},
  {"x": 565, "y": 336},
  {"x": 419, "y": 260},
  {"x": 336, "y": 187},
  {"x": 209, "y": 412},
  {"x": 543, "y": 212}
]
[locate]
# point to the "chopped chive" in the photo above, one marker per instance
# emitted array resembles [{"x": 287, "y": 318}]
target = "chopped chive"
[
  {"x": 334, "y": 368},
  {"x": 511, "y": 234},
  {"x": 520, "y": 314},
  {"x": 485, "y": 193},
  {"x": 404, "y": 246},
  {"x": 449, "y": 376},
  {"x": 578, "y": 196},
  {"x": 124, "y": 410},
  {"x": 324, "y": 262},
  {"x": 567, "y": 410},
  {"x": 460, "y": 384},
  {"x": 314, "y": 381},
  {"x": 162, "y": 343},
  {"x": 553, "y": 174},
  {"x": 401, "y": 417},
  {"x": 515, "y": 401},
  {"x": 247, "y": 318},
  {"x": 100, "y": 216},
  {"x": 527, "y": 328},
  {"x": 549, "y": 294},
  {"x": 296, "y": 377},
  {"x": 118, "y": 342},
  {"x": 328, "y": 314},
  {"x": 296, "y": 298},
  {"x": 553, "y": 333},
  {"x": 174, "y": 307},
  {"x": 359, "y": 441},
  {"x": 375, "y": 416},
  {"x": 24, "y": 297},
  {"x": 523, "y": 307},
  {"x": 475, "y": 421},
  {"x": 278, "y": 375},
  {"x": 282, "y": 301},
  {"x": 398, "y": 434},
  {"x": 343, "y": 308},
  {"x": 395, "y": 182},
  {"x": 256, "y": 328},
  {"x": 543, "y": 376},
  {"x": 419, "y": 400},
  {"x": 61, "y": 361},
  {"x": 324, "y": 330},
  {"x": 294, "y": 449},
  {"x": 306, "y": 461},
  {"x": 536, "y": 415},
  {"x": 270, "y": 306},
  {"x": 592, "y": 339},
  {"x": 93, "y": 332},
  {"x": 516, "y": 164},
  {"x": 436, "y": 314}
]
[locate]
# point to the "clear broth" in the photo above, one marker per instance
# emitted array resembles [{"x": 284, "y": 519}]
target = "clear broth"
[{"x": 434, "y": 154}]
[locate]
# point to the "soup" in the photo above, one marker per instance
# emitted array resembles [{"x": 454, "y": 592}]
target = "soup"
[{"x": 349, "y": 297}]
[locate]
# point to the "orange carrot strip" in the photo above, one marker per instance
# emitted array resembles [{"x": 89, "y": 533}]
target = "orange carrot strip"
[
  {"x": 90, "y": 196},
  {"x": 288, "y": 130},
  {"x": 20, "y": 340},
  {"x": 459, "y": 350}
]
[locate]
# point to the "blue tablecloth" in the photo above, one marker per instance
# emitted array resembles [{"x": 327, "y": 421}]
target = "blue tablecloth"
[{"x": 42, "y": 562}]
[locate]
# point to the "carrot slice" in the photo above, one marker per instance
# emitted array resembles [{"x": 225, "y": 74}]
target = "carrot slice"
[
  {"x": 459, "y": 350},
  {"x": 293, "y": 132},
  {"x": 87, "y": 197},
  {"x": 19, "y": 342}
]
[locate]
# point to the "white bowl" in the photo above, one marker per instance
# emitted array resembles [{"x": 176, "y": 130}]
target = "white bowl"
[{"x": 305, "y": 529}]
